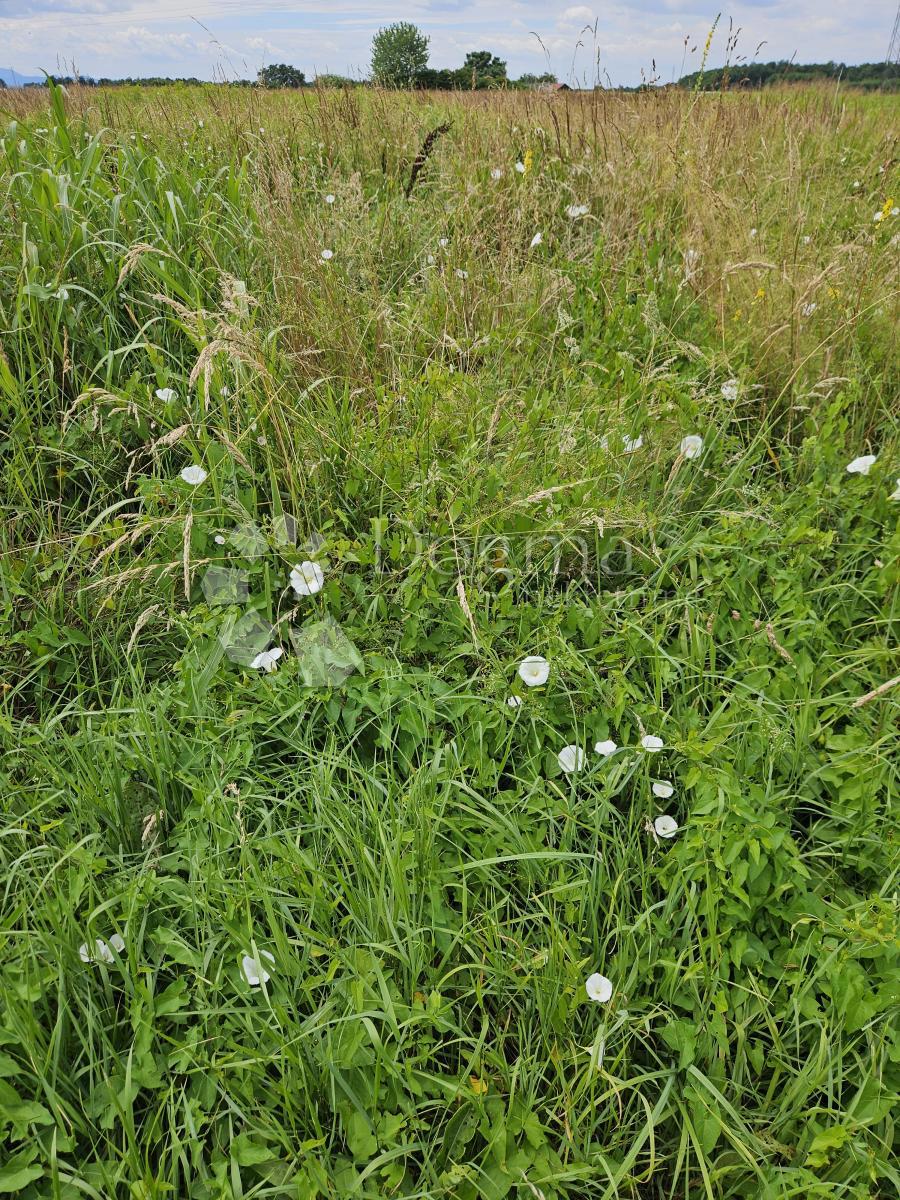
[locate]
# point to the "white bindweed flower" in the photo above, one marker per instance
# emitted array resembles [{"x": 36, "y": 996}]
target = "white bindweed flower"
[
  {"x": 652, "y": 743},
  {"x": 879, "y": 216},
  {"x": 254, "y": 971},
  {"x": 534, "y": 670},
  {"x": 536, "y": 240},
  {"x": 267, "y": 660},
  {"x": 61, "y": 293},
  {"x": 193, "y": 475},
  {"x": 605, "y": 748},
  {"x": 329, "y": 199},
  {"x": 692, "y": 445},
  {"x": 806, "y": 239},
  {"x": 520, "y": 167},
  {"x": 165, "y": 394},
  {"x": 574, "y": 211},
  {"x": 570, "y": 758},
  {"x": 856, "y": 184},
  {"x": 443, "y": 243},
  {"x": 730, "y": 389},
  {"x": 102, "y": 951},
  {"x": 629, "y": 444},
  {"x": 598, "y": 988},
  {"x": 326, "y": 255},
  {"x": 307, "y": 578},
  {"x": 862, "y": 465},
  {"x": 663, "y": 789},
  {"x": 513, "y": 701},
  {"x": 895, "y": 494},
  {"x": 219, "y": 539},
  {"x": 496, "y": 173},
  {"x": 807, "y": 310},
  {"x": 753, "y": 232},
  {"x": 665, "y": 826},
  {"x": 460, "y": 273}
]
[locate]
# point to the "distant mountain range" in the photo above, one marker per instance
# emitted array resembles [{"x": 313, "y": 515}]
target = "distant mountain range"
[{"x": 13, "y": 79}]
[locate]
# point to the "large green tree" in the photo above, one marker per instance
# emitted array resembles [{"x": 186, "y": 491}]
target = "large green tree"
[
  {"x": 483, "y": 69},
  {"x": 399, "y": 55},
  {"x": 281, "y": 75}
]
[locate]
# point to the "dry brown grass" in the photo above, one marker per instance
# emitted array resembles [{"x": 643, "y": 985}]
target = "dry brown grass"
[{"x": 665, "y": 173}]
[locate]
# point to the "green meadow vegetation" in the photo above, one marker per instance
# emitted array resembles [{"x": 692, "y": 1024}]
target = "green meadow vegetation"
[{"x": 399, "y": 385}]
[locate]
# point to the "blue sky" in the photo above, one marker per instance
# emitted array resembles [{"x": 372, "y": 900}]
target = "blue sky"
[{"x": 236, "y": 37}]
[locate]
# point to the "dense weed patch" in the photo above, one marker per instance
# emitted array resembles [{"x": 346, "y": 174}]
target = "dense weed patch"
[{"x": 320, "y": 924}]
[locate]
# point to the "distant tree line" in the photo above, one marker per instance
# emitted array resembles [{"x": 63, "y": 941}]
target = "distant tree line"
[
  {"x": 134, "y": 80},
  {"x": 481, "y": 69},
  {"x": 400, "y": 59},
  {"x": 279, "y": 76},
  {"x": 869, "y": 76}
]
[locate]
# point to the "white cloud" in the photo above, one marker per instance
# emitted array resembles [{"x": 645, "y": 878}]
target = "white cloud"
[{"x": 579, "y": 14}]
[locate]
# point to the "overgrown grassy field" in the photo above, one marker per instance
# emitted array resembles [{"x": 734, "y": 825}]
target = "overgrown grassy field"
[{"x": 325, "y": 930}]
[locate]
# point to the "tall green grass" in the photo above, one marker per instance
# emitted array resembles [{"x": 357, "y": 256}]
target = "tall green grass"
[{"x": 433, "y": 888}]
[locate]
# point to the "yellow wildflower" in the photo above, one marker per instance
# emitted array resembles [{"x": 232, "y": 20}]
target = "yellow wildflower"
[{"x": 528, "y": 160}]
